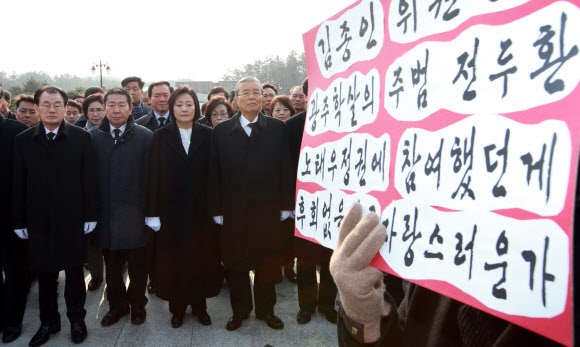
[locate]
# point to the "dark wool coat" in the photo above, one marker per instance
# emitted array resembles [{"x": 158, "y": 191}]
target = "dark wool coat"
[
  {"x": 425, "y": 318},
  {"x": 149, "y": 121},
  {"x": 187, "y": 250},
  {"x": 304, "y": 249},
  {"x": 8, "y": 131},
  {"x": 249, "y": 184},
  {"x": 123, "y": 170},
  {"x": 54, "y": 194}
]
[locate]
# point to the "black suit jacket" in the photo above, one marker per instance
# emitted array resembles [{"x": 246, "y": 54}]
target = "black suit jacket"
[
  {"x": 54, "y": 194},
  {"x": 149, "y": 121},
  {"x": 8, "y": 131},
  {"x": 249, "y": 184},
  {"x": 11, "y": 115}
]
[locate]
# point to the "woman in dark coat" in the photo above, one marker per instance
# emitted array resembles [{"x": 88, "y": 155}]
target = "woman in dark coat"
[{"x": 187, "y": 250}]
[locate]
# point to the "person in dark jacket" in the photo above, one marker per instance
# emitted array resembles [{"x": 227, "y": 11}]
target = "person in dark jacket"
[
  {"x": 134, "y": 85},
  {"x": 123, "y": 164},
  {"x": 188, "y": 260},
  {"x": 5, "y": 101},
  {"x": 308, "y": 254},
  {"x": 13, "y": 250},
  {"x": 158, "y": 117},
  {"x": 54, "y": 204},
  {"x": 369, "y": 316},
  {"x": 250, "y": 192}
]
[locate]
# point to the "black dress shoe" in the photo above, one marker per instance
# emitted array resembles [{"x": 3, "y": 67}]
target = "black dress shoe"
[
  {"x": 78, "y": 331},
  {"x": 95, "y": 283},
  {"x": 330, "y": 315},
  {"x": 11, "y": 333},
  {"x": 203, "y": 318},
  {"x": 303, "y": 317},
  {"x": 177, "y": 320},
  {"x": 152, "y": 287},
  {"x": 273, "y": 321},
  {"x": 138, "y": 315},
  {"x": 113, "y": 316},
  {"x": 290, "y": 275},
  {"x": 235, "y": 322},
  {"x": 43, "y": 334}
]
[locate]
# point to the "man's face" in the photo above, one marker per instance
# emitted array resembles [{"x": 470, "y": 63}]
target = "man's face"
[
  {"x": 269, "y": 94},
  {"x": 160, "y": 99},
  {"x": 298, "y": 99},
  {"x": 79, "y": 99},
  {"x": 72, "y": 114},
  {"x": 25, "y": 113},
  {"x": 117, "y": 110},
  {"x": 51, "y": 109},
  {"x": 135, "y": 91},
  {"x": 249, "y": 98},
  {"x": 4, "y": 106}
]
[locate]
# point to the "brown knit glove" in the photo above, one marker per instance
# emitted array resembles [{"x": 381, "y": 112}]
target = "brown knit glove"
[{"x": 359, "y": 284}]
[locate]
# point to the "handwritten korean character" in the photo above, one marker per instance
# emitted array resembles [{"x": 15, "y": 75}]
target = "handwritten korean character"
[
  {"x": 346, "y": 162},
  {"x": 364, "y": 26},
  {"x": 530, "y": 257},
  {"x": 468, "y": 95},
  {"x": 410, "y": 255},
  {"x": 501, "y": 248},
  {"x": 459, "y": 257},
  {"x": 314, "y": 111},
  {"x": 326, "y": 49},
  {"x": 378, "y": 162},
  {"x": 301, "y": 216},
  {"x": 433, "y": 164},
  {"x": 307, "y": 160},
  {"x": 502, "y": 60},
  {"x": 545, "y": 51},
  {"x": 528, "y": 160},
  {"x": 338, "y": 101},
  {"x": 434, "y": 237},
  {"x": 314, "y": 213},
  {"x": 326, "y": 218},
  {"x": 449, "y": 14},
  {"x": 403, "y": 8},
  {"x": 456, "y": 152},
  {"x": 346, "y": 40},
  {"x": 361, "y": 165},
  {"x": 497, "y": 190},
  {"x": 416, "y": 75},
  {"x": 319, "y": 163},
  {"x": 353, "y": 96},
  {"x": 398, "y": 80},
  {"x": 338, "y": 218},
  {"x": 410, "y": 179}
]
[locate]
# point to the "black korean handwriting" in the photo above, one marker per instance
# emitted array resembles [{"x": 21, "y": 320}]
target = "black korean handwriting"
[
  {"x": 459, "y": 257},
  {"x": 353, "y": 96},
  {"x": 319, "y": 164},
  {"x": 326, "y": 216},
  {"x": 498, "y": 190},
  {"x": 403, "y": 8},
  {"x": 301, "y": 216},
  {"x": 502, "y": 60},
  {"x": 361, "y": 165},
  {"x": 333, "y": 165},
  {"x": 364, "y": 26},
  {"x": 326, "y": 52},
  {"x": 501, "y": 248},
  {"x": 468, "y": 95},
  {"x": 435, "y": 237},
  {"x": 398, "y": 80},
  {"x": 346, "y": 40},
  {"x": 338, "y": 101},
  {"x": 416, "y": 75},
  {"x": 307, "y": 160},
  {"x": 410, "y": 255},
  {"x": 346, "y": 162},
  {"x": 458, "y": 164},
  {"x": 528, "y": 160},
  {"x": 433, "y": 164},
  {"x": 378, "y": 162},
  {"x": 545, "y": 51},
  {"x": 314, "y": 111},
  {"x": 449, "y": 14},
  {"x": 410, "y": 179},
  {"x": 314, "y": 213}
]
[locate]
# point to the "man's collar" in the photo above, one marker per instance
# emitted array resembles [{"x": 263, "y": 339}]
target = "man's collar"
[
  {"x": 63, "y": 129},
  {"x": 122, "y": 128},
  {"x": 244, "y": 121},
  {"x": 166, "y": 116}
]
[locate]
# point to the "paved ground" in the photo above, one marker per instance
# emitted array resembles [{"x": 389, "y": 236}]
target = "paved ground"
[{"x": 157, "y": 330}]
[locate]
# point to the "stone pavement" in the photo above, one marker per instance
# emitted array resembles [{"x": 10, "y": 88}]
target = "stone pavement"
[{"x": 157, "y": 330}]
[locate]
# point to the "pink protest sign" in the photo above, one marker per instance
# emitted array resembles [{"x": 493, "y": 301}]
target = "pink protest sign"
[{"x": 458, "y": 124}]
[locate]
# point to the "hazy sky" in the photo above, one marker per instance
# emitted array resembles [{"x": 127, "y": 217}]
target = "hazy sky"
[{"x": 156, "y": 40}]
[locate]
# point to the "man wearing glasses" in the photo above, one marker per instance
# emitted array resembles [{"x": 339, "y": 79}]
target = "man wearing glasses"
[
  {"x": 249, "y": 193},
  {"x": 54, "y": 205}
]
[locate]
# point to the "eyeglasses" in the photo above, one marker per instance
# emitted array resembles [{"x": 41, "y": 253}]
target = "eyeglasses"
[
  {"x": 247, "y": 94},
  {"x": 47, "y": 107},
  {"x": 223, "y": 114},
  {"x": 95, "y": 110}
]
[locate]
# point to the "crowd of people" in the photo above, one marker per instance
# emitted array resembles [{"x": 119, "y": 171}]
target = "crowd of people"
[{"x": 181, "y": 194}]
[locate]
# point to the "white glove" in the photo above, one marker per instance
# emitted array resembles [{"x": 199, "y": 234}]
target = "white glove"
[
  {"x": 153, "y": 223},
  {"x": 90, "y": 226},
  {"x": 285, "y": 215},
  {"x": 218, "y": 220},
  {"x": 22, "y": 233}
]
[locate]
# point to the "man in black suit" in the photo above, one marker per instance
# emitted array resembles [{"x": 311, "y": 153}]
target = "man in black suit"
[
  {"x": 134, "y": 85},
  {"x": 310, "y": 295},
  {"x": 13, "y": 250},
  {"x": 5, "y": 102},
  {"x": 54, "y": 204},
  {"x": 250, "y": 192},
  {"x": 158, "y": 117}
]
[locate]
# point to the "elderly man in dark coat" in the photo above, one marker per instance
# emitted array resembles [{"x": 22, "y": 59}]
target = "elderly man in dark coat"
[
  {"x": 250, "y": 191},
  {"x": 122, "y": 159},
  {"x": 54, "y": 195},
  {"x": 309, "y": 254},
  {"x": 12, "y": 249}
]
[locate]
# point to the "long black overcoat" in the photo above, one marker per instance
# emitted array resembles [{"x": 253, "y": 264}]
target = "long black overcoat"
[
  {"x": 8, "y": 131},
  {"x": 305, "y": 249},
  {"x": 249, "y": 184},
  {"x": 54, "y": 194},
  {"x": 187, "y": 249},
  {"x": 123, "y": 169}
]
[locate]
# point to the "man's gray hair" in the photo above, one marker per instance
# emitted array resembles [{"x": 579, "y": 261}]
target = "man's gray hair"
[{"x": 248, "y": 79}]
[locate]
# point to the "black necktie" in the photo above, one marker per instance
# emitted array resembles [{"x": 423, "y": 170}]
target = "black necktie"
[
  {"x": 51, "y": 136},
  {"x": 161, "y": 121},
  {"x": 117, "y": 133},
  {"x": 255, "y": 130}
]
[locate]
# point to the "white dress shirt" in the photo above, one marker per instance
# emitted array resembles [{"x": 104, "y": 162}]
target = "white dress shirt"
[
  {"x": 55, "y": 131},
  {"x": 122, "y": 128},
  {"x": 166, "y": 116},
  {"x": 185, "y": 138},
  {"x": 246, "y": 124}
]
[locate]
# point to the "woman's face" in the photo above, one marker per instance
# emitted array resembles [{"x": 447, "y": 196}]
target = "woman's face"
[
  {"x": 219, "y": 114},
  {"x": 95, "y": 113},
  {"x": 281, "y": 112},
  {"x": 184, "y": 108}
]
